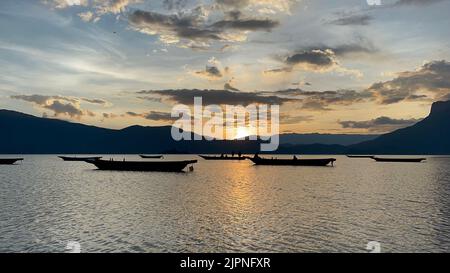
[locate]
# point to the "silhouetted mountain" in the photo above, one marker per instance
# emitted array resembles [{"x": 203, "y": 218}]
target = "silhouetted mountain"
[
  {"x": 429, "y": 136},
  {"x": 27, "y": 134},
  {"x": 327, "y": 139}
]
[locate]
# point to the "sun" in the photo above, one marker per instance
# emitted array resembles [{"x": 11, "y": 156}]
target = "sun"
[{"x": 242, "y": 132}]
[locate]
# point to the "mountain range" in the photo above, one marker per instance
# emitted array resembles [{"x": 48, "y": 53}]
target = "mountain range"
[{"x": 27, "y": 134}]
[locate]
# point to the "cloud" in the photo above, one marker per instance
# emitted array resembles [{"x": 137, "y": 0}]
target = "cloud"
[
  {"x": 309, "y": 100},
  {"x": 228, "y": 86},
  {"x": 431, "y": 79},
  {"x": 194, "y": 27},
  {"x": 172, "y": 28},
  {"x": 94, "y": 101},
  {"x": 217, "y": 97},
  {"x": 352, "y": 20},
  {"x": 320, "y": 59},
  {"x": 153, "y": 115},
  {"x": 210, "y": 72},
  {"x": 313, "y": 60},
  {"x": 109, "y": 115},
  {"x": 60, "y": 108},
  {"x": 379, "y": 125},
  {"x": 60, "y": 105},
  {"x": 323, "y": 100},
  {"x": 87, "y": 16},
  {"x": 246, "y": 25},
  {"x": 159, "y": 116}
]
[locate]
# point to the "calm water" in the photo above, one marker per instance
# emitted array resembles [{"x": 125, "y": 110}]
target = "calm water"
[{"x": 226, "y": 207}]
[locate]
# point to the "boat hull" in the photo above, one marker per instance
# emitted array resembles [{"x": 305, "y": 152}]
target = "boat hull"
[
  {"x": 142, "y": 166},
  {"x": 9, "y": 161},
  {"x": 151, "y": 156},
  {"x": 291, "y": 162},
  {"x": 222, "y": 158},
  {"x": 68, "y": 158},
  {"x": 360, "y": 156},
  {"x": 405, "y": 160}
]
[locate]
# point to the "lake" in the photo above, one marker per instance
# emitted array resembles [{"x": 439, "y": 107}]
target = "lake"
[{"x": 226, "y": 207}]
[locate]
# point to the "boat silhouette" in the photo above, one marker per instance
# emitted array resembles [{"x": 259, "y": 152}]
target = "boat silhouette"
[
  {"x": 206, "y": 157},
  {"x": 69, "y": 158},
  {"x": 293, "y": 162},
  {"x": 141, "y": 166},
  {"x": 151, "y": 156},
  {"x": 9, "y": 161},
  {"x": 417, "y": 160}
]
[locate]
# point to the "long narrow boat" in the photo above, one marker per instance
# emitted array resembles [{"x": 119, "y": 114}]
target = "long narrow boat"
[
  {"x": 151, "y": 156},
  {"x": 206, "y": 157},
  {"x": 293, "y": 162},
  {"x": 379, "y": 159},
  {"x": 9, "y": 161},
  {"x": 360, "y": 156},
  {"x": 142, "y": 166},
  {"x": 69, "y": 158}
]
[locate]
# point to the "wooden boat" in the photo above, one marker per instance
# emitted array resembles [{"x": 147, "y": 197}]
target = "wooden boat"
[
  {"x": 293, "y": 162},
  {"x": 206, "y": 157},
  {"x": 69, "y": 158},
  {"x": 9, "y": 161},
  {"x": 151, "y": 156},
  {"x": 141, "y": 166},
  {"x": 379, "y": 159},
  {"x": 360, "y": 156}
]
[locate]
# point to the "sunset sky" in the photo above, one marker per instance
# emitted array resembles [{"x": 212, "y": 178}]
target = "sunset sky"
[{"x": 334, "y": 66}]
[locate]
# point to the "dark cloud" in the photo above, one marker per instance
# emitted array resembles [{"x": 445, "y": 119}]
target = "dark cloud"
[
  {"x": 353, "y": 20},
  {"x": 60, "y": 105},
  {"x": 159, "y": 116},
  {"x": 60, "y": 108},
  {"x": 109, "y": 115},
  {"x": 246, "y": 24},
  {"x": 380, "y": 125},
  {"x": 432, "y": 78},
  {"x": 323, "y": 100},
  {"x": 359, "y": 45},
  {"x": 219, "y": 97},
  {"x": 309, "y": 59},
  {"x": 153, "y": 115},
  {"x": 228, "y": 86},
  {"x": 133, "y": 114},
  {"x": 317, "y": 58},
  {"x": 193, "y": 27},
  {"x": 178, "y": 26},
  {"x": 94, "y": 101},
  {"x": 211, "y": 72}
]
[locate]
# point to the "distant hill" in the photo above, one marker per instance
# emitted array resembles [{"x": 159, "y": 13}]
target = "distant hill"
[
  {"x": 26, "y": 134},
  {"x": 429, "y": 136},
  {"x": 327, "y": 139}
]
